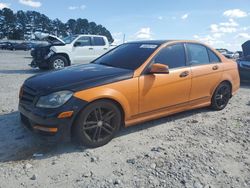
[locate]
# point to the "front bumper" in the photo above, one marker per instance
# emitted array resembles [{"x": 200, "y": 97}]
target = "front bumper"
[
  {"x": 45, "y": 122},
  {"x": 39, "y": 63}
]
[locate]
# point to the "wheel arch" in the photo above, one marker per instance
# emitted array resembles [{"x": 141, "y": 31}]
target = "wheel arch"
[
  {"x": 223, "y": 81},
  {"x": 100, "y": 99},
  {"x": 118, "y": 104},
  {"x": 109, "y": 93},
  {"x": 64, "y": 55},
  {"x": 230, "y": 83}
]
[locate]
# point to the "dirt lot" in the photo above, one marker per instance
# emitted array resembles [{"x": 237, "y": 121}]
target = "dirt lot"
[{"x": 199, "y": 148}]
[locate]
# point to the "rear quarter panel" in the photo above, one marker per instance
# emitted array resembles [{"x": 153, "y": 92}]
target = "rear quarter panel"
[{"x": 231, "y": 74}]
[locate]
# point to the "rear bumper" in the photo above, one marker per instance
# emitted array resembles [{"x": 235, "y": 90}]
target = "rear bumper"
[{"x": 45, "y": 122}]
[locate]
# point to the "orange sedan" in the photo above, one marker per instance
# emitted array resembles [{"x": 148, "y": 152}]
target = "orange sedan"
[{"x": 133, "y": 83}]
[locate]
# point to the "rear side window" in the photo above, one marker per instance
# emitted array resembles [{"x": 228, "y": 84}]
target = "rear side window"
[
  {"x": 84, "y": 41},
  {"x": 213, "y": 57},
  {"x": 197, "y": 54},
  {"x": 99, "y": 41},
  {"x": 173, "y": 56}
]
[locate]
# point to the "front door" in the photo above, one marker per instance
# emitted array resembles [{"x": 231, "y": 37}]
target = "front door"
[{"x": 159, "y": 91}]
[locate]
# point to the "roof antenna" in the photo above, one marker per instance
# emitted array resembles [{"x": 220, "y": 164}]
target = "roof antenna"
[{"x": 124, "y": 36}]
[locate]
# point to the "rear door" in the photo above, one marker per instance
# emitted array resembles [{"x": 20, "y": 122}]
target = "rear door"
[
  {"x": 100, "y": 46},
  {"x": 83, "y": 51},
  {"x": 159, "y": 91},
  {"x": 206, "y": 71}
]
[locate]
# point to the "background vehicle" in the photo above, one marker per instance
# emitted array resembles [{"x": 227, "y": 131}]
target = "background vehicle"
[
  {"x": 2, "y": 45},
  {"x": 23, "y": 46},
  {"x": 128, "y": 85},
  {"x": 240, "y": 54},
  {"x": 73, "y": 49},
  {"x": 17, "y": 46},
  {"x": 244, "y": 69},
  {"x": 244, "y": 62},
  {"x": 228, "y": 54},
  {"x": 7, "y": 45}
]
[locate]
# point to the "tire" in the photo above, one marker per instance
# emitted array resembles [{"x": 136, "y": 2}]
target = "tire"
[
  {"x": 221, "y": 96},
  {"x": 58, "y": 62},
  {"x": 97, "y": 124}
]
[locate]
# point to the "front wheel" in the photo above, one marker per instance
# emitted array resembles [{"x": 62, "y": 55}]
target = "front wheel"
[
  {"x": 221, "y": 96},
  {"x": 97, "y": 124},
  {"x": 58, "y": 62}
]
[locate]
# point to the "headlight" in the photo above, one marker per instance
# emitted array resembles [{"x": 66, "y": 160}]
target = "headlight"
[{"x": 54, "y": 100}]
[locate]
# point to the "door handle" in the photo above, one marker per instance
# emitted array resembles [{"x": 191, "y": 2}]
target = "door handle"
[
  {"x": 184, "y": 74},
  {"x": 105, "y": 48},
  {"x": 216, "y": 67},
  {"x": 91, "y": 48}
]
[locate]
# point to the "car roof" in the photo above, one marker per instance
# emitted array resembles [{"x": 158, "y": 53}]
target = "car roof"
[
  {"x": 158, "y": 42},
  {"x": 87, "y": 35}
]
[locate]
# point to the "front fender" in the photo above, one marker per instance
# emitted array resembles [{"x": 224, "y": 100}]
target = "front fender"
[
  {"x": 62, "y": 50},
  {"x": 125, "y": 93}
]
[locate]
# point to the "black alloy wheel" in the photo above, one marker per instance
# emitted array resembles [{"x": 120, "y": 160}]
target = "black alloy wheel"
[
  {"x": 97, "y": 124},
  {"x": 221, "y": 96}
]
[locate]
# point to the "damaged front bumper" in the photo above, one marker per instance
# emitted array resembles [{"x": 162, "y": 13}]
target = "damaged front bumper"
[
  {"x": 47, "y": 122},
  {"x": 40, "y": 64}
]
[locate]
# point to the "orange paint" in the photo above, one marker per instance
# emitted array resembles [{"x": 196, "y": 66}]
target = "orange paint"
[
  {"x": 150, "y": 96},
  {"x": 46, "y": 129},
  {"x": 67, "y": 114}
]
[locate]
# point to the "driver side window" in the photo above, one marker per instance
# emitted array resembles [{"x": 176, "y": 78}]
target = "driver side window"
[
  {"x": 84, "y": 41},
  {"x": 173, "y": 56}
]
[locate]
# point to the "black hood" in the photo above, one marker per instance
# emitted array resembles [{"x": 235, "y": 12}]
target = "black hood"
[{"x": 77, "y": 78}]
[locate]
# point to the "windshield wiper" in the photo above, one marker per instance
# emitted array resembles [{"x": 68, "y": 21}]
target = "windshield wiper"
[{"x": 106, "y": 64}]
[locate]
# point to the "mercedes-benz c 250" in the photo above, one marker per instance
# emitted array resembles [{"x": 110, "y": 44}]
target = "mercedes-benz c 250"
[{"x": 133, "y": 83}]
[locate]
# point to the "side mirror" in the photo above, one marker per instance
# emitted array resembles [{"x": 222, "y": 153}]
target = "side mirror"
[
  {"x": 158, "y": 68},
  {"x": 77, "y": 44}
]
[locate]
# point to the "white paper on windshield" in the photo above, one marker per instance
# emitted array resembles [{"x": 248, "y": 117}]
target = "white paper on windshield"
[{"x": 151, "y": 46}]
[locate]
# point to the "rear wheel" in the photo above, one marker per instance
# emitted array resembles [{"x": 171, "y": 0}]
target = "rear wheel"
[
  {"x": 97, "y": 124},
  {"x": 221, "y": 96},
  {"x": 58, "y": 62}
]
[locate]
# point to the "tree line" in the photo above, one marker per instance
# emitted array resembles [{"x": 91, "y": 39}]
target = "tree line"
[{"x": 23, "y": 24}]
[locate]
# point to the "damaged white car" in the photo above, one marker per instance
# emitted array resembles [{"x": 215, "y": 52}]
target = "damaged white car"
[{"x": 74, "y": 49}]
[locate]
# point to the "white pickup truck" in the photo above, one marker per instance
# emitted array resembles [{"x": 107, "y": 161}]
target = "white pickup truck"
[{"x": 74, "y": 49}]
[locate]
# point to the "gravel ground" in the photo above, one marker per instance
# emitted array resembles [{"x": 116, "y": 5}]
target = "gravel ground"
[{"x": 199, "y": 148}]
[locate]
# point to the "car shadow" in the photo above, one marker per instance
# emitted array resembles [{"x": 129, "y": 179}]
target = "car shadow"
[{"x": 17, "y": 143}]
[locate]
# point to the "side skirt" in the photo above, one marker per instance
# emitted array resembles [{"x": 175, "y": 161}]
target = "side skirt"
[{"x": 159, "y": 113}]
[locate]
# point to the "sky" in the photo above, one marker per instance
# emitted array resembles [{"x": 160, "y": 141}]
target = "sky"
[{"x": 218, "y": 23}]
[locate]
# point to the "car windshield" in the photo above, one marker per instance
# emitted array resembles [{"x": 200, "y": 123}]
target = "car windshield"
[
  {"x": 127, "y": 56},
  {"x": 69, "y": 39}
]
